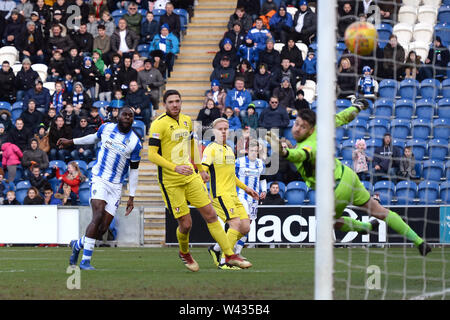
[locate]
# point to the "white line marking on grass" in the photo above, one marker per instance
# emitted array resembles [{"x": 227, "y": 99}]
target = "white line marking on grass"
[
  {"x": 430, "y": 295},
  {"x": 11, "y": 271}
]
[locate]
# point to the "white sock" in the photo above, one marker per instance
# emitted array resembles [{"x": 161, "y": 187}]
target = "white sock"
[
  {"x": 89, "y": 245},
  {"x": 240, "y": 244},
  {"x": 217, "y": 247}
]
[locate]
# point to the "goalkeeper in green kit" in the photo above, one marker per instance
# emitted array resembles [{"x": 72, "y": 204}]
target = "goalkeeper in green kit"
[{"x": 348, "y": 188}]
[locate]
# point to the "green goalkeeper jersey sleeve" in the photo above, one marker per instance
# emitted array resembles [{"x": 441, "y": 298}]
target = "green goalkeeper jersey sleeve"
[{"x": 303, "y": 156}]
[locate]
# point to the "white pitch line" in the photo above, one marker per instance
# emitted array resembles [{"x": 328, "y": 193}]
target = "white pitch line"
[{"x": 430, "y": 295}]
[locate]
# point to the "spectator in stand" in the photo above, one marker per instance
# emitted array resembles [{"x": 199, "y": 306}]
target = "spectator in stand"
[
  {"x": 11, "y": 157},
  {"x": 233, "y": 119},
  {"x": 59, "y": 97},
  {"x": 251, "y": 117},
  {"x": 37, "y": 179},
  {"x": 438, "y": 58},
  {"x": 33, "y": 197},
  {"x": 59, "y": 130},
  {"x": 300, "y": 101},
  {"x": 133, "y": 18},
  {"x": 309, "y": 66},
  {"x": 126, "y": 74},
  {"x": 84, "y": 13},
  {"x": 259, "y": 34},
  {"x": 386, "y": 159},
  {"x": 243, "y": 142},
  {"x": 32, "y": 117},
  {"x": 80, "y": 100},
  {"x": 83, "y": 152},
  {"x": 281, "y": 24},
  {"x": 42, "y": 138},
  {"x": 6, "y": 8},
  {"x": 49, "y": 197},
  {"x": 304, "y": 24},
  {"x": 172, "y": 20},
  {"x": 228, "y": 50},
  {"x": 267, "y": 6},
  {"x": 58, "y": 42},
  {"x": 124, "y": 40},
  {"x": 3, "y": 133},
  {"x": 73, "y": 63},
  {"x": 98, "y": 8},
  {"x": 149, "y": 28},
  {"x": 208, "y": 114},
  {"x": 57, "y": 19},
  {"x": 287, "y": 70},
  {"x": 224, "y": 73},
  {"x": 40, "y": 95},
  {"x": 251, "y": 7},
  {"x": 165, "y": 45},
  {"x": 394, "y": 56},
  {"x": 292, "y": 52},
  {"x": 44, "y": 15},
  {"x": 286, "y": 95},
  {"x": 139, "y": 101},
  {"x": 137, "y": 62},
  {"x": 55, "y": 69},
  {"x": 415, "y": 69},
  {"x": 245, "y": 70},
  {"x": 360, "y": 160},
  {"x": 407, "y": 165},
  {"x": 71, "y": 181},
  {"x": 248, "y": 51},
  {"x": 239, "y": 97},
  {"x": 83, "y": 40},
  {"x": 103, "y": 43},
  {"x": 15, "y": 26},
  {"x": 20, "y": 135},
  {"x": 7, "y": 83},
  {"x": 366, "y": 83},
  {"x": 94, "y": 119},
  {"x": 242, "y": 17},
  {"x": 217, "y": 94},
  {"x": 346, "y": 79},
  {"x": 25, "y": 79},
  {"x": 346, "y": 16},
  {"x": 270, "y": 57},
  {"x": 11, "y": 199},
  {"x": 108, "y": 22},
  {"x": 49, "y": 118},
  {"x": 31, "y": 43},
  {"x": 112, "y": 114},
  {"x": 261, "y": 83},
  {"x": 70, "y": 118},
  {"x": 61, "y": 6},
  {"x": 106, "y": 86},
  {"x": 151, "y": 80},
  {"x": 275, "y": 117},
  {"x": 273, "y": 197},
  {"x": 90, "y": 76},
  {"x": 236, "y": 35}
]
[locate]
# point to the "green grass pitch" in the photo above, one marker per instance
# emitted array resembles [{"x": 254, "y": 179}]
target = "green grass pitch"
[{"x": 277, "y": 274}]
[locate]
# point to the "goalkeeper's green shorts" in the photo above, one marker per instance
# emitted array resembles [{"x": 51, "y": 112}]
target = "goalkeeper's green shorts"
[{"x": 349, "y": 190}]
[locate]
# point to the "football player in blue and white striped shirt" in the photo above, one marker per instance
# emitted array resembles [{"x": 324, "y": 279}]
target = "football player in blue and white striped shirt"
[
  {"x": 118, "y": 154},
  {"x": 249, "y": 170}
]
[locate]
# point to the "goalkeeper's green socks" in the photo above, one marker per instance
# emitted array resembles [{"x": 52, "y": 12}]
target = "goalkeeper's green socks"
[
  {"x": 350, "y": 224},
  {"x": 397, "y": 224}
]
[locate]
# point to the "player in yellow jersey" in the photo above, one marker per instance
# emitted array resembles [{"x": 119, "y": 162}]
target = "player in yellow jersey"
[
  {"x": 171, "y": 148},
  {"x": 219, "y": 158}
]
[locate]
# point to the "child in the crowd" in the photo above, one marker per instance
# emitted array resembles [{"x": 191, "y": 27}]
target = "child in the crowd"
[
  {"x": 407, "y": 165},
  {"x": 90, "y": 76},
  {"x": 11, "y": 158},
  {"x": 251, "y": 118},
  {"x": 149, "y": 28},
  {"x": 233, "y": 119},
  {"x": 33, "y": 197},
  {"x": 11, "y": 199},
  {"x": 309, "y": 66},
  {"x": 285, "y": 94},
  {"x": 70, "y": 118},
  {"x": 360, "y": 160},
  {"x": 261, "y": 83},
  {"x": 98, "y": 61},
  {"x": 71, "y": 181},
  {"x": 49, "y": 117},
  {"x": 106, "y": 86},
  {"x": 217, "y": 94},
  {"x": 55, "y": 67},
  {"x": 366, "y": 83},
  {"x": 59, "y": 97},
  {"x": 94, "y": 119}
]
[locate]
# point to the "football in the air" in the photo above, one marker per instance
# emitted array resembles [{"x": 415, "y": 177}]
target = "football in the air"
[{"x": 361, "y": 38}]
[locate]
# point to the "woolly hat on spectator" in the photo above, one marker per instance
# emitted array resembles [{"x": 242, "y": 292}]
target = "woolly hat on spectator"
[
  {"x": 2, "y": 126},
  {"x": 78, "y": 84},
  {"x": 215, "y": 82},
  {"x": 270, "y": 40},
  {"x": 226, "y": 40},
  {"x": 285, "y": 78},
  {"x": 165, "y": 25},
  {"x": 57, "y": 12},
  {"x": 300, "y": 91},
  {"x": 26, "y": 61},
  {"x": 366, "y": 69},
  {"x": 303, "y": 3},
  {"x": 15, "y": 11},
  {"x": 108, "y": 71},
  {"x": 251, "y": 105},
  {"x": 38, "y": 80}
]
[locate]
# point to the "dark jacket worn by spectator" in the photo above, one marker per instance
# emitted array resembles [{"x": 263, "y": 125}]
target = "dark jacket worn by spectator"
[
  {"x": 271, "y": 58},
  {"x": 131, "y": 39},
  {"x": 173, "y": 21},
  {"x": 31, "y": 42},
  {"x": 20, "y": 138},
  {"x": 293, "y": 54},
  {"x": 42, "y": 98},
  {"x": 224, "y": 75},
  {"x": 251, "y": 7},
  {"x": 37, "y": 155},
  {"x": 246, "y": 22},
  {"x": 83, "y": 41},
  {"x": 25, "y": 80},
  {"x": 273, "y": 200},
  {"x": 31, "y": 120},
  {"x": 7, "y": 86},
  {"x": 274, "y": 118},
  {"x": 56, "y": 134}
]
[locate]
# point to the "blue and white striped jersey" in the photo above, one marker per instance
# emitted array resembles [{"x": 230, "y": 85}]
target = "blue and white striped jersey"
[
  {"x": 249, "y": 172},
  {"x": 116, "y": 152}
]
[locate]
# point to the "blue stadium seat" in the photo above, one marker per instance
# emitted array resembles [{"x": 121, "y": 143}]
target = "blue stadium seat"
[
  {"x": 387, "y": 88},
  {"x": 19, "y": 174},
  {"x": 447, "y": 170},
  {"x": 445, "y": 90},
  {"x": 406, "y": 192},
  {"x": 314, "y": 106},
  {"x": 425, "y": 109},
  {"x": 15, "y": 114},
  {"x": 408, "y": 89},
  {"x": 143, "y": 12},
  {"x": 347, "y": 148},
  {"x": 143, "y": 48},
  {"x": 443, "y": 108},
  {"x": 55, "y": 183},
  {"x": 117, "y": 14},
  {"x": 100, "y": 104},
  {"x": 371, "y": 144},
  {"x": 384, "y": 31},
  {"x": 386, "y": 191},
  {"x": 340, "y": 133},
  {"x": 139, "y": 128},
  {"x": 282, "y": 187},
  {"x": 347, "y": 162},
  {"x": 378, "y": 127},
  {"x": 17, "y": 105},
  {"x": 23, "y": 185},
  {"x": 404, "y": 108},
  {"x": 83, "y": 167},
  {"x": 158, "y": 13},
  {"x": 400, "y": 128},
  {"x": 442, "y": 30},
  {"x": 60, "y": 164},
  {"x": 312, "y": 196},
  {"x": 421, "y": 128},
  {"x": 287, "y": 133},
  {"x": 428, "y": 192},
  {"x": 441, "y": 128},
  {"x": 444, "y": 14},
  {"x": 296, "y": 192},
  {"x": 342, "y": 104},
  {"x": 433, "y": 170},
  {"x": 438, "y": 149},
  {"x": 429, "y": 88},
  {"x": 357, "y": 129},
  {"x": 5, "y": 106},
  {"x": 383, "y": 108},
  {"x": 419, "y": 148},
  {"x": 399, "y": 143},
  {"x": 366, "y": 114},
  {"x": 260, "y": 105},
  {"x": 84, "y": 196},
  {"x": 445, "y": 192},
  {"x": 368, "y": 185},
  {"x": 184, "y": 18}
]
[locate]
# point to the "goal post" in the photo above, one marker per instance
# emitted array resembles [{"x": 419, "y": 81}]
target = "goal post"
[{"x": 325, "y": 163}]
